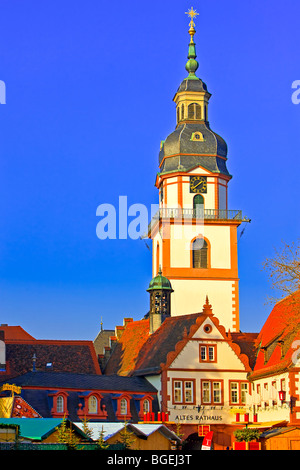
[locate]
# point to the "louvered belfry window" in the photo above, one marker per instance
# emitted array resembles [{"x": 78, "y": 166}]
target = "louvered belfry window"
[
  {"x": 194, "y": 111},
  {"x": 200, "y": 253}
]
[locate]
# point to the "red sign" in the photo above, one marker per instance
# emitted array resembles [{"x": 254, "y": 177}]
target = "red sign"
[
  {"x": 203, "y": 429},
  {"x": 206, "y": 444}
]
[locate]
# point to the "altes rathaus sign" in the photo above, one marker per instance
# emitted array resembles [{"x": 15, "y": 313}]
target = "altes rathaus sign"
[{"x": 205, "y": 414}]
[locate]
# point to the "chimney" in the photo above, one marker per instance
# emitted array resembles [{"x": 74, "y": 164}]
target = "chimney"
[{"x": 155, "y": 321}]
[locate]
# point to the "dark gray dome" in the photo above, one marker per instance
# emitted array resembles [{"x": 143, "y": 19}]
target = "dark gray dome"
[
  {"x": 186, "y": 152},
  {"x": 192, "y": 85}
]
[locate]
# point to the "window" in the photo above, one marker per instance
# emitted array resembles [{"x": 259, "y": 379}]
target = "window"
[
  {"x": 194, "y": 111},
  {"x": 123, "y": 406},
  {"x": 234, "y": 397},
  {"x": 146, "y": 406},
  {"x": 93, "y": 404},
  {"x": 244, "y": 391},
  {"x": 211, "y": 392},
  {"x": 182, "y": 111},
  {"x": 216, "y": 392},
  {"x": 200, "y": 253},
  {"x": 188, "y": 390},
  {"x": 60, "y": 404},
  {"x": 208, "y": 353},
  {"x": 206, "y": 392},
  {"x": 238, "y": 392},
  {"x": 183, "y": 391},
  {"x": 191, "y": 111},
  {"x": 198, "y": 111},
  {"x": 198, "y": 206},
  {"x": 178, "y": 392}
]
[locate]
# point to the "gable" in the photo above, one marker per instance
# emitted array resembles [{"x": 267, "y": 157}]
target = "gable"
[{"x": 225, "y": 353}]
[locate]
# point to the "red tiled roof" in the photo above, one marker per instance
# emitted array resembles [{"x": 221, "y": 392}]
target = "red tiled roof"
[
  {"x": 15, "y": 333},
  {"x": 138, "y": 353},
  {"x": 274, "y": 342},
  {"x": 125, "y": 354}
]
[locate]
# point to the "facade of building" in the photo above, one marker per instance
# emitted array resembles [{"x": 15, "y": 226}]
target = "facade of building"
[
  {"x": 194, "y": 232},
  {"x": 86, "y": 396},
  {"x": 275, "y": 379},
  {"x": 199, "y": 370}
]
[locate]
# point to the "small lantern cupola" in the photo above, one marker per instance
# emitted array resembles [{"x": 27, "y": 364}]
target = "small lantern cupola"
[{"x": 160, "y": 290}]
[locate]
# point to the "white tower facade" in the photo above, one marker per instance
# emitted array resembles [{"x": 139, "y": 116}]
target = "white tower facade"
[{"x": 194, "y": 233}]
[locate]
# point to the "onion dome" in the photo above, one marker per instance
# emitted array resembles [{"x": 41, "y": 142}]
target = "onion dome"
[{"x": 160, "y": 282}]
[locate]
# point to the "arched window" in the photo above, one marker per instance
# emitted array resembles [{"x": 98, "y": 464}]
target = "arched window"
[
  {"x": 93, "y": 404},
  {"x": 146, "y": 406},
  {"x": 178, "y": 114},
  {"x": 198, "y": 206},
  {"x": 123, "y": 406},
  {"x": 194, "y": 111},
  {"x": 200, "y": 253},
  {"x": 60, "y": 404},
  {"x": 191, "y": 111}
]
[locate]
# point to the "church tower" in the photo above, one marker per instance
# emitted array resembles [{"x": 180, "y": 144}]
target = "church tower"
[{"x": 194, "y": 233}]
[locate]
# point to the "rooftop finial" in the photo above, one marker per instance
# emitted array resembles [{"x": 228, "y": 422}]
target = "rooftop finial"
[
  {"x": 192, "y": 64},
  {"x": 192, "y": 14}
]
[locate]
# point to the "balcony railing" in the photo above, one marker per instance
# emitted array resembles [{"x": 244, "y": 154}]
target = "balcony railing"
[{"x": 204, "y": 214}]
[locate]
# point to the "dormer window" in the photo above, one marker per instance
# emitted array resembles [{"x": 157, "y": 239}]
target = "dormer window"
[
  {"x": 59, "y": 408},
  {"x": 93, "y": 405},
  {"x": 197, "y": 136},
  {"x": 123, "y": 407},
  {"x": 145, "y": 406}
]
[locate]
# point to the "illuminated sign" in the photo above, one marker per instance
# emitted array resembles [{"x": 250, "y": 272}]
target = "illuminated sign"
[{"x": 11, "y": 388}]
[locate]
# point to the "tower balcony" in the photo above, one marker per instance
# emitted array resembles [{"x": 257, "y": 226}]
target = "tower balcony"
[{"x": 192, "y": 215}]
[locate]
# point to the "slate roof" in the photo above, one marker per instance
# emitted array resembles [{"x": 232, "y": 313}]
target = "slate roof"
[
  {"x": 60, "y": 380},
  {"x": 64, "y": 356},
  {"x": 274, "y": 349},
  {"x": 38, "y": 387}
]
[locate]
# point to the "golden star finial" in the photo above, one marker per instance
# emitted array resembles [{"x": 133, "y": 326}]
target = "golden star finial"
[{"x": 192, "y": 14}]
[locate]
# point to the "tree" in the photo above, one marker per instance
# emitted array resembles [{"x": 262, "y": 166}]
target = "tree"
[
  {"x": 67, "y": 436},
  {"x": 87, "y": 431},
  {"x": 284, "y": 269},
  {"x": 127, "y": 437},
  {"x": 246, "y": 434},
  {"x": 101, "y": 441}
]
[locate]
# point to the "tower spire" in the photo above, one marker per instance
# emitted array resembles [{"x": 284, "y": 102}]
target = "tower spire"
[{"x": 192, "y": 64}]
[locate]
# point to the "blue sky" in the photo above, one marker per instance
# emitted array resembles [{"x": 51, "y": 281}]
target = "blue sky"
[{"x": 89, "y": 98}]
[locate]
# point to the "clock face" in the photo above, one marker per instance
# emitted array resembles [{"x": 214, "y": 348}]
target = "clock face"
[{"x": 198, "y": 184}]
